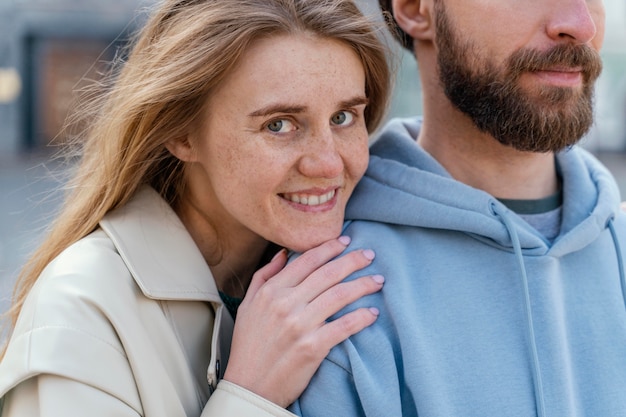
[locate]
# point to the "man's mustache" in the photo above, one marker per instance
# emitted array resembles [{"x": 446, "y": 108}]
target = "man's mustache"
[{"x": 560, "y": 56}]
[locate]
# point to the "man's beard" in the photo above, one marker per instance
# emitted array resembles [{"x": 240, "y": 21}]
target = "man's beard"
[{"x": 492, "y": 97}]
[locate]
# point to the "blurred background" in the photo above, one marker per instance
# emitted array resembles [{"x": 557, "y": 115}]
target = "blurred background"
[{"x": 50, "y": 48}]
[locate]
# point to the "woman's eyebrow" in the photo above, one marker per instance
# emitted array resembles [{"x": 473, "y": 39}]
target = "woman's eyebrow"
[
  {"x": 356, "y": 101},
  {"x": 277, "y": 108},
  {"x": 294, "y": 109}
]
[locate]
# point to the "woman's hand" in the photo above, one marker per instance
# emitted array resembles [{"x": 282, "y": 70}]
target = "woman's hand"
[{"x": 281, "y": 335}]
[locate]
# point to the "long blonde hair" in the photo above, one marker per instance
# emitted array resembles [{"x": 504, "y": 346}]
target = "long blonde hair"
[{"x": 185, "y": 49}]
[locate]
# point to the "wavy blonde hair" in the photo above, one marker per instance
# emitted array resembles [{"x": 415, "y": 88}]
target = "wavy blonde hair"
[{"x": 185, "y": 49}]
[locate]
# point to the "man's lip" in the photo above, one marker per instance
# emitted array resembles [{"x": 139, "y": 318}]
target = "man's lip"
[{"x": 560, "y": 76}]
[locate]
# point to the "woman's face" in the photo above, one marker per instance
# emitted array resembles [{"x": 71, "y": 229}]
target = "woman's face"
[{"x": 283, "y": 142}]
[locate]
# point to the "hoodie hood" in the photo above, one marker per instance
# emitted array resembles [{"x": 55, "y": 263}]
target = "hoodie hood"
[{"x": 404, "y": 185}]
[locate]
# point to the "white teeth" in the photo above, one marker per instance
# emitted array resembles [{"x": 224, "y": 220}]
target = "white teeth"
[{"x": 310, "y": 200}]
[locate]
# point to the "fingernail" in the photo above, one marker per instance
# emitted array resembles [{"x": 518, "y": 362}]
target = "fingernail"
[
  {"x": 345, "y": 240},
  {"x": 279, "y": 253},
  {"x": 379, "y": 279},
  {"x": 374, "y": 311},
  {"x": 369, "y": 254}
]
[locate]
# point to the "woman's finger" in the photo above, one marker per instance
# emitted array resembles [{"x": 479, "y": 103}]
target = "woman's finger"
[
  {"x": 338, "y": 330},
  {"x": 308, "y": 262},
  {"x": 266, "y": 273},
  {"x": 332, "y": 273},
  {"x": 341, "y": 295}
]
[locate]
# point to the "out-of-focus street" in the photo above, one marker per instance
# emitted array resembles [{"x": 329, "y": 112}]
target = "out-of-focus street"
[{"x": 26, "y": 205}]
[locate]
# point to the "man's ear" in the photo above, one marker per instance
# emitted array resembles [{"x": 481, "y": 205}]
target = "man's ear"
[
  {"x": 623, "y": 205},
  {"x": 415, "y": 18},
  {"x": 182, "y": 148}
]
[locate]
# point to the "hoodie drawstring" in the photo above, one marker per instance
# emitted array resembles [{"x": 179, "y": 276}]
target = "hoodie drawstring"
[
  {"x": 620, "y": 260},
  {"x": 530, "y": 337}
]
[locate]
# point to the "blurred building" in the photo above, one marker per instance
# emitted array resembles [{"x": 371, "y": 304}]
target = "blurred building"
[
  {"x": 46, "y": 48},
  {"x": 609, "y": 132}
]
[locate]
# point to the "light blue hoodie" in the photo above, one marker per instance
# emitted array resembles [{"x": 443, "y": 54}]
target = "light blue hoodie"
[{"x": 480, "y": 315}]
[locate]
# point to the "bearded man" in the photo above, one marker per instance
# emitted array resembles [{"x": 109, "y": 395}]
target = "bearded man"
[{"x": 501, "y": 240}]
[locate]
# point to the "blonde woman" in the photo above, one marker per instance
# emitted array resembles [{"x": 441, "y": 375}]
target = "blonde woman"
[{"x": 233, "y": 124}]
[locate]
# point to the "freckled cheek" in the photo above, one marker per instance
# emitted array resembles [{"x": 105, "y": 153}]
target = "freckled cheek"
[
  {"x": 251, "y": 170},
  {"x": 225, "y": 172},
  {"x": 358, "y": 156},
  {"x": 237, "y": 160}
]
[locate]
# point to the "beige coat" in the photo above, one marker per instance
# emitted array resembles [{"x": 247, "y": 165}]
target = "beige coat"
[{"x": 126, "y": 322}]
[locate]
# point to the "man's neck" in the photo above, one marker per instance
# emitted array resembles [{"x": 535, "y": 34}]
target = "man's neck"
[{"x": 478, "y": 160}]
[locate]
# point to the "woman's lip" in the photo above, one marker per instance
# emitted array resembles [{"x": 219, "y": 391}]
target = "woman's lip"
[{"x": 310, "y": 197}]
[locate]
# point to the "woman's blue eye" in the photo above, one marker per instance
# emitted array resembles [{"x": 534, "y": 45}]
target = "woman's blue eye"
[
  {"x": 275, "y": 126},
  {"x": 342, "y": 118},
  {"x": 280, "y": 126}
]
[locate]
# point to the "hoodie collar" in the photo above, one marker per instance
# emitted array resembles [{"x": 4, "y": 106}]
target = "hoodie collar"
[
  {"x": 404, "y": 185},
  {"x": 158, "y": 251}
]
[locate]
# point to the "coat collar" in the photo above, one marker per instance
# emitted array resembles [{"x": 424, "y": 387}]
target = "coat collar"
[{"x": 158, "y": 251}]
